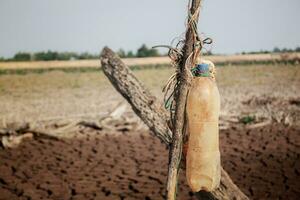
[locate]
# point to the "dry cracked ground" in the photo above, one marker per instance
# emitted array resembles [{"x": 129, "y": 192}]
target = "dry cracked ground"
[
  {"x": 130, "y": 163},
  {"x": 263, "y": 162}
]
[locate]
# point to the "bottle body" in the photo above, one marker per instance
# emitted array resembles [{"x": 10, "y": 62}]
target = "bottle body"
[{"x": 203, "y": 168}]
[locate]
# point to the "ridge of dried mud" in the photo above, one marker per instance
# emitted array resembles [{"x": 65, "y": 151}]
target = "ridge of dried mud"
[{"x": 263, "y": 162}]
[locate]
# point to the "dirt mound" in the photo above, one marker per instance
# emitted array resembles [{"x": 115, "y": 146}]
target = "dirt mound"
[{"x": 263, "y": 162}]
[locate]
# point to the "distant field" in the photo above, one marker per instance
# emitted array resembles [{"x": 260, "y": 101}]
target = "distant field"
[
  {"x": 53, "y": 94},
  {"x": 232, "y": 59}
]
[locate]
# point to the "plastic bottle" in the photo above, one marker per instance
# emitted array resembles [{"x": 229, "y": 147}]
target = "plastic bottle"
[{"x": 203, "y": 168}]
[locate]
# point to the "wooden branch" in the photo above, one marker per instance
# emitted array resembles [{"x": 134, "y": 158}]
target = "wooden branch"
[
  {"x": 142, "y": 102},
  {"x": 147, "y": 108},
  {"x": 180, "y": 99}
]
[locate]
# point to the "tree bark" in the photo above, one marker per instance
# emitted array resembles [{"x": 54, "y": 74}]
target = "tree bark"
[
  {"x": 149, "y": 110},
  {"x": 180, "y": 96},
  {"x": 142, "y": 102}
]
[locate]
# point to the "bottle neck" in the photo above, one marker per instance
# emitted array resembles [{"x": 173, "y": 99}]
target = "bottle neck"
[{"x": 201, "y": 70}]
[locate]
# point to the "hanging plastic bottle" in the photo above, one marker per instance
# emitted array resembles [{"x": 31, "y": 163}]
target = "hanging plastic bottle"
[{"x": 203, "y": 168}]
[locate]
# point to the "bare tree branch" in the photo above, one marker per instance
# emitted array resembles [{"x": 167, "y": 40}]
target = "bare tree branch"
[
  {"x": 148, "y": 109},
  {"x": 180, "y": 99},
  {"x": 142, "y": 102}
]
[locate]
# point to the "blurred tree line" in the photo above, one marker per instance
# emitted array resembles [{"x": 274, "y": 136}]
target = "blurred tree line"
[
  {"x": 141, "y": 52},
  {"x": 51, "y": 55},
  {"x": 275, "y": 50}
]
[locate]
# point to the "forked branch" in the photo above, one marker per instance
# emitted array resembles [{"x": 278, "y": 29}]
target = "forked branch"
[{"x": 145, "y": 105}]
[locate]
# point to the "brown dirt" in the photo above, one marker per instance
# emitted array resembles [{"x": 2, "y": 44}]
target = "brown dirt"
[{"x": 264, "y": 163}]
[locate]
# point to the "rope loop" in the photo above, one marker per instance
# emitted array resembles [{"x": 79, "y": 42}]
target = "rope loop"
[{"x": 176, "y": 55}]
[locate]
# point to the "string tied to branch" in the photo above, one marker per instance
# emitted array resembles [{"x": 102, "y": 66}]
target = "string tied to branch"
[{"x": 175, "y": 55}]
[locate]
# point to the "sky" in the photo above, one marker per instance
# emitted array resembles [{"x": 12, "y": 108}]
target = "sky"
[{"x": 89, "y": 25}]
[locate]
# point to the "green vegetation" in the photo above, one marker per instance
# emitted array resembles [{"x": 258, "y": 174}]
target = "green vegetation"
[
  {"x": 49, "y": 55},
  {"x": 53, "y": 55},
  {"x": 275, "y": 50},
  {"x": 142, "y": 51},
  {"x": 22, "y": 56},
  {"x": 247, "y": 119}
]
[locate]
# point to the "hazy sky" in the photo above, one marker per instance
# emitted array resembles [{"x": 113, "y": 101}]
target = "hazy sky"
[{"x": 88, "y": 25}]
